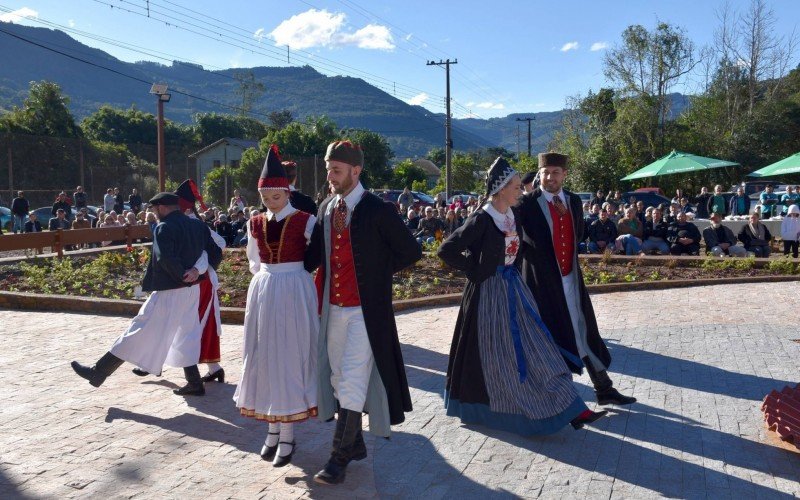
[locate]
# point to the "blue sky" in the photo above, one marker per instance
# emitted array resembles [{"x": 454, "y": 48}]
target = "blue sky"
[{"x": 513, "y": 56}]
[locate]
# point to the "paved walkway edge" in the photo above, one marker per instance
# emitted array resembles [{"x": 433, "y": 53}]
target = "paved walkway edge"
[{"x": 235, "y": 315}]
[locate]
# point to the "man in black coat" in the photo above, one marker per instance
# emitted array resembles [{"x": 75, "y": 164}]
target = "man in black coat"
[
  {"x": 135, "y": 201},
  {"x": 552, "y": 222},
  {"x": 298, "y": 200},
  {"x": 171, "y": 310},
  {"x": 358, "y": 243}
]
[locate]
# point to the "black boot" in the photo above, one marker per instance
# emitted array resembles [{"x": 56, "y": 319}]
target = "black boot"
[
  {"x": 587, "y": 417},
  {"x": 194, "y": 387},
  {"x": 98, "y": 373},
  {"x": 604, "y": 389},
  {"x": 348, "y": 426}
]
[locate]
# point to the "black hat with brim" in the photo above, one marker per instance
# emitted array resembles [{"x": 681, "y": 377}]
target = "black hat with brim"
[{"x": 164, "y": 199}]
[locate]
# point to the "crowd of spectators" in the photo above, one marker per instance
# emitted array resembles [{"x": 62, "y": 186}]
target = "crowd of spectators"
[{"x": 429, "y": 224}]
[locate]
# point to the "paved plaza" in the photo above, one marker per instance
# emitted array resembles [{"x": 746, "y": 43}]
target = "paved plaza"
[{"x": 699, "y": 360}]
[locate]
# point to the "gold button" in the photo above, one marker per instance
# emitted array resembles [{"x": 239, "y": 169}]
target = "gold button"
[
  {"x": 341, "y": 304},
  {"x": 335, "y": 275},
  {"x": 337, "y": 285},
  {"x": 338, "y": 295},
  {"x": 338, "y": 266},
  {"x": 338, "y": 236},
  {"x": 337, "y": 247}
]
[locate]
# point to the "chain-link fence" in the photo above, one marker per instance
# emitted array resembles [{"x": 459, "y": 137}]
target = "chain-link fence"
[{"x": 43, "y": 166}]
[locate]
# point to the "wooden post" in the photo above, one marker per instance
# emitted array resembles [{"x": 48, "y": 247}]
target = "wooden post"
[
  {"x": 59, "y": 248},
  {"x": 128, "y": 240},
  {"x": 10, "y": 170},
  {"x": 80, "y": 156}
]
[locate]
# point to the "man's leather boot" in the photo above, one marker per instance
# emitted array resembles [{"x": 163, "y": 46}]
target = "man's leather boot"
[
  {"x": 194, "y": 386},
  {"x": 98, "y": 373},
  {"x": 348, "y": 426}
]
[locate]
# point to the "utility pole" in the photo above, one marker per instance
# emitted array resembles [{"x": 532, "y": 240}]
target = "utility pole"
[
  {"x": 529, "y": 120},
  {"x": 448, "y": 140},
  {"x": 160, "y": 91}
]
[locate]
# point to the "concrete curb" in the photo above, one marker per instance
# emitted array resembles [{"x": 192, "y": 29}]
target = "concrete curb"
[{"x": 235, "y": 315}]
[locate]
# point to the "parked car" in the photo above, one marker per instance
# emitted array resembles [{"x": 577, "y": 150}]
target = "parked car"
[
  {"x": 44, "y": 214},
  {"x": 648, "y": 198},
  {"x": 656, "y": 190},
  {"x": 420, "y": 199},
  {"x": 464, "y": 195},
  {"x": 585, "y": 197},
  {"x": 6, "y": 221}
]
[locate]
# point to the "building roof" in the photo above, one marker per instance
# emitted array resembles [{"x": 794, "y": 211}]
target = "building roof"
[
  {"x": 428, "y": 166},
  {"x": 228, "y": 141}
]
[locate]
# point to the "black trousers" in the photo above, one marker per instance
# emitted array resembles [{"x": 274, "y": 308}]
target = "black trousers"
[{"x": 790, "y": 245}]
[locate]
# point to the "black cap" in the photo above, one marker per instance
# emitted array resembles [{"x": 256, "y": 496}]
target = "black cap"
[
  {"x": 528, "y": 177},
  {"x": 164, "y": 199}
]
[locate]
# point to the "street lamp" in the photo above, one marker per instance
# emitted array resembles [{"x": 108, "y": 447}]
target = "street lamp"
[{"x": 160, "y": 91}]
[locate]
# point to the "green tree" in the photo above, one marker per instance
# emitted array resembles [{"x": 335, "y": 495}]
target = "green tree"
[
  {"x": 467, "y": 175},
  {"x": 406, "y": 174},
  {"x": 280, "y": 119},
  {"x": 211, "y": 127},
  {"x": 45, "y": 112}
]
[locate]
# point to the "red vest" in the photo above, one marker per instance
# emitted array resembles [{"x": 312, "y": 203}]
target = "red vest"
[
  {"x": 344, "y": 286},
  {"x": 563, "y": 238},
  {"x": 280, "y": 242}
]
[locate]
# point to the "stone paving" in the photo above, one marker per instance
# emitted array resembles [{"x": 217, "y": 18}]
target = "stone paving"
[{"x": 699, "y": 360}]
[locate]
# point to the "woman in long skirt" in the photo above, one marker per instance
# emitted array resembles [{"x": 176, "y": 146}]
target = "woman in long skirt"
[
  {"x": 505, "y": 371},
  {"x": 281, "y": 324}
]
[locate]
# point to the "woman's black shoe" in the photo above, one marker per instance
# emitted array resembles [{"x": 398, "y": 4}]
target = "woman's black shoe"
[
  {"x": 141, "y": 373},
  {"x": 280, "y": 461},
  {"x": 268, "y": 452},
  {"x": 587, "y": 417},
  {"x": 219, "y": 375}
]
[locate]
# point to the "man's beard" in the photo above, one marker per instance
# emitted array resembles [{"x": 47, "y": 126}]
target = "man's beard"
[
  {"x": 344, "y": 186},
  {"x": 551, "y": 190},
  {"x": 716, "y": 225}
]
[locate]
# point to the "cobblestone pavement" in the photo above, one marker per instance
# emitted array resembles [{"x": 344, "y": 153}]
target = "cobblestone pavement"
[{"x": 699, "y": 360}]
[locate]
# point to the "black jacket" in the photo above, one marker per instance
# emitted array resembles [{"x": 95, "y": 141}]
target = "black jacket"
[
  {"x": 303, "y": 202},
  {"x": 382, "y": 246},
  {"x": 733, "y": 205},
  {"x": 33, "y": 226},
  {"x": 79, "y": 199},
  {"x": 135, "y": 201},
  {"x": 711, "y": 239},
  {"x": 20, "y": 206},
  {"x": 178, "y": 241},
  {"x": 542, "y": 274},
  {"x": 55, "y": 224},
  {"x": 676, "y": 231},
  {"x": 64, "y": 206},
  {"x": 659, "y": 229},
  {"x": 749, "y": 239},
  {"x": 603, "y": 231}
]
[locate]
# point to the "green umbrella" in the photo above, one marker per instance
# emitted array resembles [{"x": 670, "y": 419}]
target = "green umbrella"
[
  {"x": 790, "y": 165},
  {"x": 678, "y": 163}
]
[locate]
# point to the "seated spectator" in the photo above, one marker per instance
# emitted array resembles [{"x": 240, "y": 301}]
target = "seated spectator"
[
  {"x": 683, "y": 237},
  {"x": 720, "y": 239},
  {"x": 672, "y": 216},
  {"x": 151, "y": 220},
  {"x": 110, "y": 221},
  {"x": 451, "y": 222},
  {"x": 739, "y": 204},
  {"x": 756, "y": 237},
  {"x": 238, "y": 226},
  {"x": 790, "y": 230},
  {"x": 130, "y": 219},
  {"x": 686, "y": 208},
  {"x": 630, "y": 232},
  {"x": 597, "y": 199},
  {"x": 641, "y": 213},
  {"x": 412, "y": 222},
  {"x": 602, "y": 233},
  {"x": 81, "y": 220},
  {"x": 655, "y": 234},
  {"x": 593, "y": 215},
  {"x": 587, "y": 209},
  {"x": 101, "y": 216},
  {"x": 462, "y": 215},
  {"x": 59, "y": 221},
  {"x": 613, "y": 211},
  {"x": 430, "y": 228},
  {"x": 33, "y": 225},
  {"x": 225, "y": 229}
]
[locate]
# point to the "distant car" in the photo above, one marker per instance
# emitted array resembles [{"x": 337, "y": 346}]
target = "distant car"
[
  {"x": 391, "y": 195},
  {"x": 463, "y": 196},
  {"x": 6, "y": 221},
  {"x": 44, "y": 214},
  {"x": 755, "y": 187},
  {"x": 655, "y": 190},
  {"x": 585, "y": 197},
  {"x": 649, "y": 199}
]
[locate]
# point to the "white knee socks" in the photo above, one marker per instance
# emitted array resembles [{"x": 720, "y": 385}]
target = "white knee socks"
[
  {"x": 287, "y": 438},
  {"x": 272, "y": 437},
  {"x": 212, "y": 368}
]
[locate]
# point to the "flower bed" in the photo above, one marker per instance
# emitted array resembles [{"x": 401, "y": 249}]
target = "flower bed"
[{"x": 115, "y": 275}]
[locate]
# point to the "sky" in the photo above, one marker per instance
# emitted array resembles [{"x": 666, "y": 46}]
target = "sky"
[{"x": 523, "y": 56}]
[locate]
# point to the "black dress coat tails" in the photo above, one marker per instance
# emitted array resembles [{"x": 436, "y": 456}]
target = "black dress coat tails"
[
  {"x": 382, "y": 246},
  {"x": 303, "y": 202},
  {"x": 542, "y": 274}
]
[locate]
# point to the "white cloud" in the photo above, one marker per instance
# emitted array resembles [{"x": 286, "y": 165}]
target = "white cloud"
[
  {"x": 569, "y": 46},
  {"x": 18, "y": 15},
  {"x": 259, "y": 34},
  {"x": 371, "y": 36},
  {"x": 599, "y": 46},
  {"x": 320, "y": 28},
  {"x": 71, "y": 23},
  {"x": 490, "y": 105},
  {"x": 418, "y": 99}
]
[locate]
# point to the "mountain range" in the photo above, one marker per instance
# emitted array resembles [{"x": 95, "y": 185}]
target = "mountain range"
[{"x": 91, "y": 78}]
